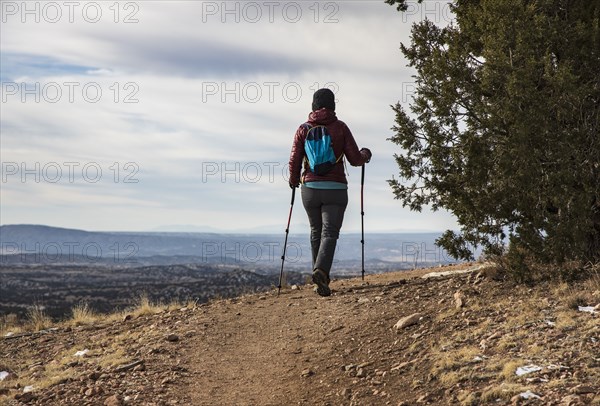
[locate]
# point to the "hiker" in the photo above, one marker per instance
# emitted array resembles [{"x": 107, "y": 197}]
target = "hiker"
[{"x": 324, "y": 195}]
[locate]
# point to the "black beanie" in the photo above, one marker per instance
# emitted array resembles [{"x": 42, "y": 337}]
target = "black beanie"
[{"x": 323, "y": 98}]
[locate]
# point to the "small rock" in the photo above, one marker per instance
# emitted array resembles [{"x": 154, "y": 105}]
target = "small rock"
[
  {"x": 401, "y": 365},
  {"x": 408, "y": 321},
  {"x": 307, "y": 372},
  {"x": 360, "y": 373},
  {"x": 459, "y": 299},
  {"x": 571, "y": 400},
  {"x": 139, "y": 368},
  {"x": 294, "y": 287},
  {"x": 114, "y": 400},
  {"x": 25, "y": 397},
  {"x": 516, "y": 400},
  {"x": 583, "y": 389},
  {"x": 173, "y": 338},
  {"x": 346, "y": 393}
]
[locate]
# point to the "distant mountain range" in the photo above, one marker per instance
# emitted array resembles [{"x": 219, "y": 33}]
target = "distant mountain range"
[{"x": 45, "y": 244}]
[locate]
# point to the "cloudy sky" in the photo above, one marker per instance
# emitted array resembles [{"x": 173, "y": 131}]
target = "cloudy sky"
[{"x": 137, "y": 115}]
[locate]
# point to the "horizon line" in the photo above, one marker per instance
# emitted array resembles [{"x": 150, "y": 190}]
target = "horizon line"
[{"x": 212, "y": 230}]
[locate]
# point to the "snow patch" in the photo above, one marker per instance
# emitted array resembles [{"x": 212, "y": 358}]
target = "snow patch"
[
  {"x": 527, "y": 369},
  {"x": 529, "y": 395},
  {"x": 588, "y": 309}
]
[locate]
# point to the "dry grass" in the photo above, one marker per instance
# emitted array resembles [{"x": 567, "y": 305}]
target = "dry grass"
[
  {"x": 535, "y": 349},
  {"x": 585, "y": 294},
  {"x": 593, "y": 283},
  {"x": 509, "y": 369},
  {"x": 103, "y": 351},
  {"x": 452, "y": 378},
  {"x": 451, "y": 360},
  {"x": 54, "y": 373},
  {"x": 447, "y": 313},
  {"x": 452, "y": 367},
  {"x": 469, "y": 399},
  {"x": 504, "y": 391},
  {"x": 116, "y": 356},
  {"x": 144, "y": 306},
  {"x": 10, "y": 324},
  {"x": 57, "y": 370},
  {"x": 567, "y": 319},
  {"x": 82, "y": 314},
  {"x": 508, "y": 342},
  {"x": 37, "y": 318}
]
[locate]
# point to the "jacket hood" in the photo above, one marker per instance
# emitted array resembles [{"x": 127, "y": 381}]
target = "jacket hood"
[{"x": 322, "y": 116}]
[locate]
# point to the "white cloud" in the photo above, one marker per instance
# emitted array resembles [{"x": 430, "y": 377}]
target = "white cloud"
[{"x": 209, "y": 94}]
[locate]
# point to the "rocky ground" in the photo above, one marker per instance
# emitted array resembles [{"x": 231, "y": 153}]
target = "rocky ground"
[{"x": 408, "y": 338}]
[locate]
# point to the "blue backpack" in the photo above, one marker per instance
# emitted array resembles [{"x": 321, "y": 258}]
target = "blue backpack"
[{"x": 319, "y": 150}]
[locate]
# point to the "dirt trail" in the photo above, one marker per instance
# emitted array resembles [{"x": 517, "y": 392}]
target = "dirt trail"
[
  {"x": 269, "y": 350},
  {"x": 254, "y": 352}
]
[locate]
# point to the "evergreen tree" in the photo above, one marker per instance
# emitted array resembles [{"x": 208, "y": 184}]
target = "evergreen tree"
[{"x": 503, "y": 129}]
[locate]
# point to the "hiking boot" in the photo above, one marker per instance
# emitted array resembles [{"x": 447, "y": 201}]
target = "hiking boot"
[{"x": 321, "y": 279}]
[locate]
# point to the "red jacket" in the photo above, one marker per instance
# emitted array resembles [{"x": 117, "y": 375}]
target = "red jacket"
[{"x": 343, "y": 142}]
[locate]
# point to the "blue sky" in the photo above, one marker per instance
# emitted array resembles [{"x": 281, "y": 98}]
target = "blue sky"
[{"x": 139, "y": 115}]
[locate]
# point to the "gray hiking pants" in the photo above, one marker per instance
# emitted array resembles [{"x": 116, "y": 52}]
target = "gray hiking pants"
[{"x": 325, "y": 209}]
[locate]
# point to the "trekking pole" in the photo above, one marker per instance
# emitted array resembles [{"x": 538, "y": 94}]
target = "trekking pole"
[
  {"x": 362, "y": 218},
  {"x": 287, "y": 231}
]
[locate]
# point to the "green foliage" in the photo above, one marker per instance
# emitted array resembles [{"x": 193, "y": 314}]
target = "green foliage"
[
  {"x": 503, "y": 130},
  {"x": 401, "y": 5}
]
